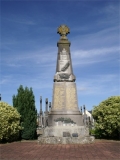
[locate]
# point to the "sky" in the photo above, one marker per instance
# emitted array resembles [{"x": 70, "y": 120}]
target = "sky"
[{"x": 28, "y": 50}]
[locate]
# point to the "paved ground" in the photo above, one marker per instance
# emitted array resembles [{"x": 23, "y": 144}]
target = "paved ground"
[{"x": 100, "y": 150}]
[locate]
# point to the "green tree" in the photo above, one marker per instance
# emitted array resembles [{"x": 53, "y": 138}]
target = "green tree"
[
  {"x": 107, "y": 118},
  {"x": 24, "y": 102},
  {"x": 9, "y": 123}
]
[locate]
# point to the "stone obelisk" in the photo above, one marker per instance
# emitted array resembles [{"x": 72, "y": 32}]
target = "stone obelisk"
[
  {"x": 65, "y": 121},
  {"x": 64, "y": 102}
]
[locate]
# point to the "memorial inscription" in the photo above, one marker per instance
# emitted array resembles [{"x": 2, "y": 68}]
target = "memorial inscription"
[
  {"x": 66, "y": 134},
  {"x": 65, "y": 96},
  {"x": 71, "y": 99},
  {"x": 58, "y": 98}
]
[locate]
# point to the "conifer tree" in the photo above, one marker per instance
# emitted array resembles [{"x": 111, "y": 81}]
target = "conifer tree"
[{"x": 24, "y": 102}]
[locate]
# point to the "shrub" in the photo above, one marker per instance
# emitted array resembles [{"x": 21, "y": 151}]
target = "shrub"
[
  {"x": 107, "y": 118},
  {"x": 9, "y": 123}
]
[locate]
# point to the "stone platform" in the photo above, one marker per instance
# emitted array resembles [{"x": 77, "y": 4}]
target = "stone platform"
[
  {"x": 66, "y": 135},
  {"x": 65, "y": 140}
]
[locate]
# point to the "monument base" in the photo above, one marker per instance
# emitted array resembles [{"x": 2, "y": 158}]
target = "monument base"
[
  {"x": 65, "y": 104},
  {"x": 66, "y": 135},
  {"x": 65, "y": 140}
]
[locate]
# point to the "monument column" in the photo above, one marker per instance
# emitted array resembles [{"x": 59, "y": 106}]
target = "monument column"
[{"x": 64, "y": 102}]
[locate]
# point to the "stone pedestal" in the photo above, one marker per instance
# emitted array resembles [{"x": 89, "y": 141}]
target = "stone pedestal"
[
  {"x": 65, "y": 103},
  {"x": 66, "y": 135},
  {"x": 58, "y": 131}
]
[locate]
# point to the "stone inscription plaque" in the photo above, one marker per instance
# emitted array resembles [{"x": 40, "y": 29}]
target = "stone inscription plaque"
[
  {"x": 74, "y": 134},
  {"x": 65, "y": 96},
  {"x": 63, "y": 57},
  {"x": 66, "y": 134},
  {"x": 71, "y": 99},
  {"x": 58, "y": 97}
]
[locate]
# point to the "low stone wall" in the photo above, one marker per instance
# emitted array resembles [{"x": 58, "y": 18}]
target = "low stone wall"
[
  {"x": 66, "y": 140},
  {"x": 66, "y": 135},
  {"x": 57, "y": 131}
]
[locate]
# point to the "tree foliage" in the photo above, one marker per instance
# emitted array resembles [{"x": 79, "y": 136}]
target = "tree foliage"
[
  {"x": 24, "y": 102},
  {"x": 107, "y": 118},
  {"x": 9, "y": 122}
]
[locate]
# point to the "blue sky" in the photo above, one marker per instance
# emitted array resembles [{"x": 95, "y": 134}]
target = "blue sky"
[{"x": 29, "y": 47}]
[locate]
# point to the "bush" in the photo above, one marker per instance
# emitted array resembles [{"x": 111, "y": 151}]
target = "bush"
[
  {"x": 9, "y": 123},
  {"x": 107, "y": 118}
]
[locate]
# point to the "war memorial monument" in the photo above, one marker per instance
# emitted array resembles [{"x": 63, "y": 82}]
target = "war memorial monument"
[{"x": 64, "y": 124}]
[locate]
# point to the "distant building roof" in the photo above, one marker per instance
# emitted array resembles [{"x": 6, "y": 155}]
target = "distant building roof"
[{"x": 90, "y": 111}]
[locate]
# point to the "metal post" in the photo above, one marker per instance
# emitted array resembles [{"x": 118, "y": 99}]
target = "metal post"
[
  {"x": 0, "y": 97},
  {"x": 49, "y": 106},
  {"x": 46, "y": 113},
  {"x": 41, "y": 120},
  {"x": 41, "y": 112},
  {"x": 46, "y": 104},
  {"x": 84, "y": 114},
  {"x": 81, "y": 109},
  {"x": 40, "y": 105}
]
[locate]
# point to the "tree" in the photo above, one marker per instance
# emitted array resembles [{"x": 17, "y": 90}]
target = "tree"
[
  {"x": 9, "y": 123},
  {"x": 24, "y": 102},
  {"x": 107, "y": 118}
]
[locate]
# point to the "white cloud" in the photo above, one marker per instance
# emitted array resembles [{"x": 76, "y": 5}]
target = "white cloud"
[
  {"x": 95, "y": 52},
  {"x": 42, "y": 57},
  {"x": 110, "y": 9},
  {"x": 94, "y": 56},
  {"x": 98, "y": 85},
  {"x": 21, "y": 20},
  {"x": 5, "y": 79}
]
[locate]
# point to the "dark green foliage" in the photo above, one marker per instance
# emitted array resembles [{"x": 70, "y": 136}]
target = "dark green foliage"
[
  {"x": 107, "y": 118},
  {"x": 24, "y": 102}
]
